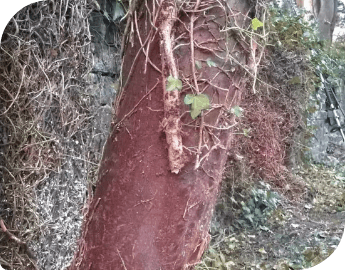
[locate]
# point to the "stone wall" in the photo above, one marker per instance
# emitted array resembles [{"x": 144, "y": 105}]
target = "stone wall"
[
  {"x": 326, "y": 147},
  {"x": 62, "y": 196}
]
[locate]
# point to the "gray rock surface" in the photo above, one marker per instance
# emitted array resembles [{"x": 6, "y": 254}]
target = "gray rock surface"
[
  {"x": 61, "y": 197},
  {"x": 326, "y": 147}
]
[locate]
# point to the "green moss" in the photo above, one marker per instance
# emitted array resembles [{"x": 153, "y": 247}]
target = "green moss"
[
  {"x": 295, "y": 80},
  {"x": 311, "y": 109}
]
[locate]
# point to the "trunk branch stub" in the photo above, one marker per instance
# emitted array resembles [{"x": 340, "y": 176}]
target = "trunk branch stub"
[{"x": 171, "y": 123}]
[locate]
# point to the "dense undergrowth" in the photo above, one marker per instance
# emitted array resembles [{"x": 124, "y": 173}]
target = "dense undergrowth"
[{"x": 270, "y": 182}]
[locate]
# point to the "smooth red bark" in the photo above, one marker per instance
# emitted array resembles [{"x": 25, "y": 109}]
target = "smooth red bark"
[{"x": 143, "y": 216}]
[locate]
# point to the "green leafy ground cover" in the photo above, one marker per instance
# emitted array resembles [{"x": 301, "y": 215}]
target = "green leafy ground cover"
[{"x": 258, "y": 225}]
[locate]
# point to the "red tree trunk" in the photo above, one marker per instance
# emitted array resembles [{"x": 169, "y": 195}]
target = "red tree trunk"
[{"x": 161, "y": 169}]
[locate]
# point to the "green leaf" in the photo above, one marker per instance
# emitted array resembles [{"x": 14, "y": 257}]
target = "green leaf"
[
  {"x": 246, "y": 132},
  {"x": 295, "y": 80},
  {"x": 256, "y": 23},
  {"x": 257, "y": 212},
  {"x": 262, "y": 251},
  {"x": 195, "y": 113},
  {"x": 200, "y": 102},
  {"x": 246, "y": 209},
  {"x": 250, "y": 218},
  {"x": 198, "y": 64},
  {"x": 264, "y": 228},
  {"x": 237, "y": 110},
  {"x": 188, "y": 99},
  {"x": 210, "y": 63},
  {"x": 173, "y": 84}
]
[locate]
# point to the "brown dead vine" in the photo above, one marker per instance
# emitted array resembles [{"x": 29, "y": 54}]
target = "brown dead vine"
[
  {"x": 44, "y": 54},
  {"x": 166, "y": 14},
  {"x": 163, "y": 18}
]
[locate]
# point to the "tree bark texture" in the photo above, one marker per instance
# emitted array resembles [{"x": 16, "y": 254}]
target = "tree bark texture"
[
  {"x": 326, "y": 14},
  {"x": 149, "y": 211},
  {"x": 325, "y": 11}
]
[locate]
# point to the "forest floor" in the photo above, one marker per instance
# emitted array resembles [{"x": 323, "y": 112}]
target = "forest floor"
[{"x": 259, "y": 229}]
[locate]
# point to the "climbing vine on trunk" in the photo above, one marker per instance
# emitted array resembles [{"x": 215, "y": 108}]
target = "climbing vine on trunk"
[{"x": 163, "y": 163}]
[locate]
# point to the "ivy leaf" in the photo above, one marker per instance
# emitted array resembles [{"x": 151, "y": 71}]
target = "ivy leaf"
[
  {"x": 173, "y": 84},
  {"x": 188, "y": 99},
  {"x": 200, "y": 102},
  {"x": 210, "y": 63},
  {"x": 198, "y": 64},
  {"x": 256, "y": 23},
  {"x": 257, "y": 212},
  {"x": 194, "y": 113},
  {"x": 250, "y": 218},
  {"x": 262, "y": 251},
  {"x": 237, "y": 110},
  {"x": 246, "y": 132}
]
